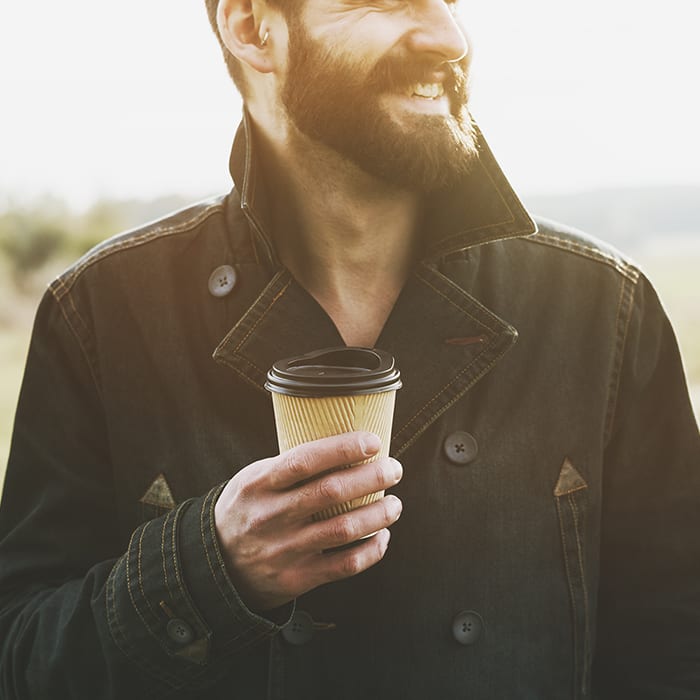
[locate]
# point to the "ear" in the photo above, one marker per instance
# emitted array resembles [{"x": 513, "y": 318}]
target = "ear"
[{"x": 242, "y": 30}]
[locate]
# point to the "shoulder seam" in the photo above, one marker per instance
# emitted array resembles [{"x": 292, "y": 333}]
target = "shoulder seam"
[
  {"x": 628, "y": 292},
  {"x": 625, "y": 269},
  {"x": 63, "y": 284},
  {"x": 69, "y": 324}
]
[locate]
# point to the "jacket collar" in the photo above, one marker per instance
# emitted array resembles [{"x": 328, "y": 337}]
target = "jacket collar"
[
  {"x": 443, "y": 339},
  {"x": 483, "y": 207}
]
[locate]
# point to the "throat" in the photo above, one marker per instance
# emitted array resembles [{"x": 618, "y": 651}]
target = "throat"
[{"x": 360, "y": 320}]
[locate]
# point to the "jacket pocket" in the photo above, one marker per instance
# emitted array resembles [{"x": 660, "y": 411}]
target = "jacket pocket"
[{"x": 571, "y": 496}]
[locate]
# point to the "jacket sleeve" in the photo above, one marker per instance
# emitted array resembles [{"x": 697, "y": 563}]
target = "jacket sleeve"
[
  {"x": 85, "y": 613},
  {"x": 648, "y": 640}
]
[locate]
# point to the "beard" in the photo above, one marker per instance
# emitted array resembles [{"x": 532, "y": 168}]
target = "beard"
[{"x": 331, "y": 101}]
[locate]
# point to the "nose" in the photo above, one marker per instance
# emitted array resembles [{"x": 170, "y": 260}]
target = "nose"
[{"x": 438, "y": 31}]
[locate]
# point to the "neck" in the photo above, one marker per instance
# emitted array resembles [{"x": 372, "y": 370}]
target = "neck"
[{"x": 348, "y": 238}]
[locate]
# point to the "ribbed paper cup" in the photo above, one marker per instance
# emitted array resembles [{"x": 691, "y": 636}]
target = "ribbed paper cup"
[{"x": 334, "y": 391}]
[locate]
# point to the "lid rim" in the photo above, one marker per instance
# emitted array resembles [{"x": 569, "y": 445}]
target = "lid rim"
[{"x": 287, "y": 376}]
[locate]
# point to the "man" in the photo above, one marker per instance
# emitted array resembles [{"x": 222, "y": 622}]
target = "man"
[{"x": 549, "y": 488}]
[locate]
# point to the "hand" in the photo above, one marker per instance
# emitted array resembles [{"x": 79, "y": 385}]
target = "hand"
[{"x": 273, "y": 549}]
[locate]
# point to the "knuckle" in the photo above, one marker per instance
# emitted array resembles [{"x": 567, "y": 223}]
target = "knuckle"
[
  {"x": 255, "y": 522},
  {"x": 331, "y": 489},
  {"x": 298, "y": 463},
  {"x": 342, "y": 530},
  {"x": 247, "y": 486},
  {"x": 351, "y": 564},
  {"x": 349, "y": 449}
]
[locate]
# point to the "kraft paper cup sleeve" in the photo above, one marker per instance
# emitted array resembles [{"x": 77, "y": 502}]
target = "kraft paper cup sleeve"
[{"x": 333, "y": 391}]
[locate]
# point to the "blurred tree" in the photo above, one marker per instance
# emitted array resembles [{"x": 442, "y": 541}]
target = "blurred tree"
[
  {"x": 29, "y": 241},
  {"x": 103, "y": 219}
]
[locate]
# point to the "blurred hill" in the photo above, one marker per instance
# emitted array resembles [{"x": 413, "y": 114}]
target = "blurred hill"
[{"x": 629, "y": 218}]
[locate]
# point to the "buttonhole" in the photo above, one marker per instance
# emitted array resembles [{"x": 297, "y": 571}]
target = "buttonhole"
[
  {"x": 324, "y": 626},
  {"x": 470, "y": 340},
  {"x": 166, "y": 609}
]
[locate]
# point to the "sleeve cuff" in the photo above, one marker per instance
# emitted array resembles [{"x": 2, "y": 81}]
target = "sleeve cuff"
[
  {"x": 215, "y": 596},
  {"x": 169, "y": 598}
]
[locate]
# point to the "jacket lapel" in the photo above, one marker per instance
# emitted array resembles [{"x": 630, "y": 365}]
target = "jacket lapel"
[
  {"x": 444, "y": 341},
  {"x": 284, "y": 320}
]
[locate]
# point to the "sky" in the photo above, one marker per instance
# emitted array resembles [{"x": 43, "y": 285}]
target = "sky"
[{"x": 132, "y": 99}]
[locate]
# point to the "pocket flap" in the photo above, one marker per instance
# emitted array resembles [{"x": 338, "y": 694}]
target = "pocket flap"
[{"x": 569, "y": 480}]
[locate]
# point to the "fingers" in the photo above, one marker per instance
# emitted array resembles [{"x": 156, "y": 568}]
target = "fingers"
[
  {"x": 349, "y": 527},
  {"x": 341, "y": 486},
  {"x": 312, "y": 458},
  {"x": 338, "y": 565}
]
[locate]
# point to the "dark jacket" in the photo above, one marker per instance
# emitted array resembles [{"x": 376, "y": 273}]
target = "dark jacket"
[{"x": 549, "y": 545}]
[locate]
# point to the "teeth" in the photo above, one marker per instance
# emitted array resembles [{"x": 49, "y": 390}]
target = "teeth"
[{"x": 427, "y": 90}]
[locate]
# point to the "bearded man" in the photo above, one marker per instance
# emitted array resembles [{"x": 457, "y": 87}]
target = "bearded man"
[{"x": 152, "y": 542}]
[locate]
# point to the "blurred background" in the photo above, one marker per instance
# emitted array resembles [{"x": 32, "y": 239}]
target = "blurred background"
[{"x": 113, "y": 115}]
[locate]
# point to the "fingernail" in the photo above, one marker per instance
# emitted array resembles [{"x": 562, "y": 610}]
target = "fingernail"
[
  {"x": 370, "y": 444},
  {"x": 397, "y": 473},
  {"x": 386, "y": 541}
]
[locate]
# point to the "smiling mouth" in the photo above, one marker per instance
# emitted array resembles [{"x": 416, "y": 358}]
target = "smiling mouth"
[{"x": 427, "y": 91}]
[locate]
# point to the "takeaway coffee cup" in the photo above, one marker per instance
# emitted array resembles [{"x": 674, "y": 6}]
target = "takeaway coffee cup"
[{"x": 333, "y": 391}]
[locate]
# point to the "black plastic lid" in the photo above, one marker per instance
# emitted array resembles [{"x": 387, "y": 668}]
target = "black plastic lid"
[{"x": 340, "y": 371}]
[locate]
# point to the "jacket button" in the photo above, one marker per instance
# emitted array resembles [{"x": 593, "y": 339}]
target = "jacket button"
[
  {"x": 467, "y": 627},
  {"x": 300, "y": 629},
  {"x": 179, "y": 631},
  {"x": 460, "y": 447},
  {"x": 222, "y": 281}
]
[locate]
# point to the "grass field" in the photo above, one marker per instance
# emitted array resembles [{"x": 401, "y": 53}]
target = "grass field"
[{"x": 674, "y": 274}]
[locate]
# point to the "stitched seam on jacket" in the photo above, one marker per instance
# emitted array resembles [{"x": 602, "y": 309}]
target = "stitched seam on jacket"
[
  {"x": 115, "y": 630},
  {"x": 584, "y": 587},
  {"x": 620, "y": 266},
  {"x": 68, "y": 279},
  {"x": 173, "y": 555},
  {"x": 457, "y": 376},
  {"x": 111, "y": 607},
  {"x": 241, "y": 358},
  {"x": 260, "y": 296},
  {"x": 476, "y": 378},
  {"x": 206, "y": 509},
  {"x": 185, "y": 595},
  {"x": 129, "y": 586},
  {"x": 438, "y": 394},
  {"x": 257, "y": 629},
  {"x": 140, "y": 575},
  {"x": 275, "y": 299},
  {"x": 489, "y": 315},
  {"x": 494, "y": 225},
  {"x": 83, "y": 350},
  {"x": 627, "y": 293},
  {"x": 234, "y": 366},
  {"x": 571, "y": 589},
  {"x": 163, "y": 557}
]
